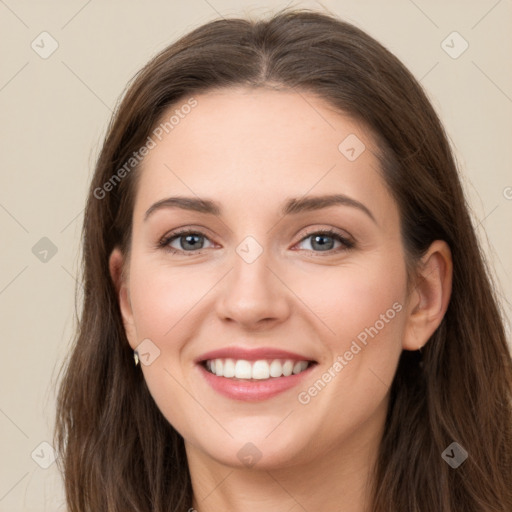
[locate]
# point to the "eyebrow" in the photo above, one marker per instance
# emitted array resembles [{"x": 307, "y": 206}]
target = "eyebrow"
[{"x": 292, "y": 205}]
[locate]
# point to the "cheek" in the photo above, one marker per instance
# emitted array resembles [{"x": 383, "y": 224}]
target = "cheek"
[
  {"x": 163, "y": 301},
  {"x": 362, "y": 312},
  {"x": 364, "y": 308},
  {"x": 162, "y": 297},
  {"x": 354, "y": 297}
]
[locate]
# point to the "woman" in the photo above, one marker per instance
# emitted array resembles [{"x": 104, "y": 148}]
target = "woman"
[{"x": 286, "y": 306}]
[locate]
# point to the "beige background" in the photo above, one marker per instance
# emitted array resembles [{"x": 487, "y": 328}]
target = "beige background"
[{"x": 54, "y": 115}]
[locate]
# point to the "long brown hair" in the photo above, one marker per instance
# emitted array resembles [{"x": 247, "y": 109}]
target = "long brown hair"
[{"x": 119, "y": 453}]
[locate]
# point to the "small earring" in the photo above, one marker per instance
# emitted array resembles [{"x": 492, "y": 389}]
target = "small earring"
[{"x": 136, "y": 357}]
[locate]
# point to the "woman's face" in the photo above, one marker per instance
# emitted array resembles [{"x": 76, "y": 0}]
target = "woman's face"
[{"x": 258, "y": 273}]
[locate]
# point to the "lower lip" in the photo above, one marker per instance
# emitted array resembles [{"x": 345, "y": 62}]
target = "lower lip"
[{"x": 254, "y": 389}]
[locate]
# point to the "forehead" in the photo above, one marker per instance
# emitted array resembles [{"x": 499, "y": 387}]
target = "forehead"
[{"x": 252, "y": 147}]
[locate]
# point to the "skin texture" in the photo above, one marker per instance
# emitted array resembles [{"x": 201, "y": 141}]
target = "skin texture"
[{"x": 251, "y": 150}]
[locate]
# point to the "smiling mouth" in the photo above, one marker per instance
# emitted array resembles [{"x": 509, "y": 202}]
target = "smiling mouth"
[{"x": 261, "y": 369}]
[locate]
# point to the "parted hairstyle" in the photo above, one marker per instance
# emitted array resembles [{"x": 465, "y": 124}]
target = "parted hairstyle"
[{"x": 117, "y": 451}]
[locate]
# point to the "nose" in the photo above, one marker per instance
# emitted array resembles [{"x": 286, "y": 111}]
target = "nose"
[{"x": 253, "y": 294}]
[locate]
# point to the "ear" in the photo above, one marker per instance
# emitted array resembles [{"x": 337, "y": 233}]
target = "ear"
[
  {"x": 118, "y": 273},
  {"x": 430, "y": 297}
]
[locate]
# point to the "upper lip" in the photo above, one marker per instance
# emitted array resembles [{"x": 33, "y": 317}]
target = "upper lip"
[{"x": 251, "y": 354}]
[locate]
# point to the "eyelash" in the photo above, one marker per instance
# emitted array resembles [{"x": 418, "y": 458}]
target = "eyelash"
[{"x": 167, "y": 239}]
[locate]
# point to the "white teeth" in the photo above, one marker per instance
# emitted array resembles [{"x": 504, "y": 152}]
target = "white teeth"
[
  {"x": 229, "y": 368},
  {"x": 287, "y": 368},
  {"x": 299, "y": 367},
  {"x": 260, "y": 369},
  {"x": 243, "y": 369},
  {"x": 275, "y": 369}
]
